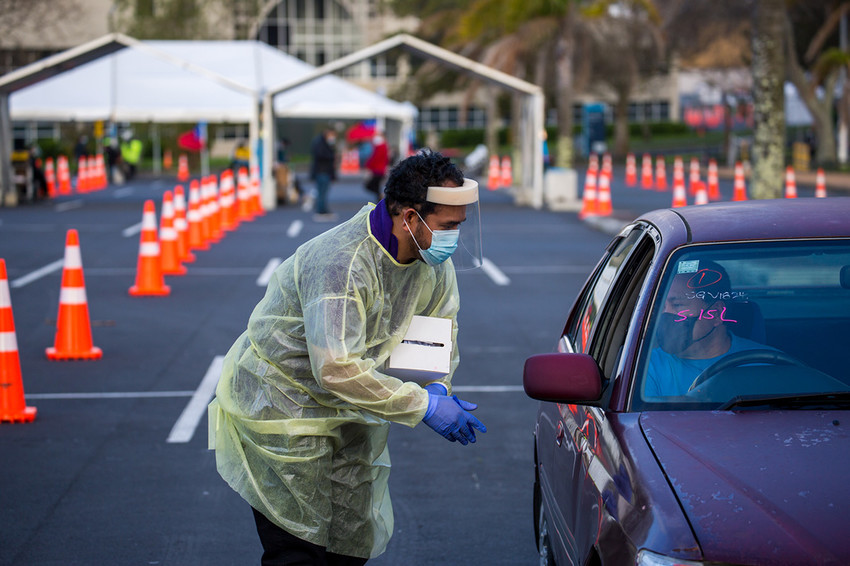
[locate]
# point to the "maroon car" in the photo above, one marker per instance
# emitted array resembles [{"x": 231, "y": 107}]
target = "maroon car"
[{"x": 696, "y": 410}]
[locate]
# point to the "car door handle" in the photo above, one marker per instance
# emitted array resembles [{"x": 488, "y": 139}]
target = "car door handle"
[{"x": 559, "y": 435}]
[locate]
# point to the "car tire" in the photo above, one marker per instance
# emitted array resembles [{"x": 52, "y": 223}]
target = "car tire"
[{"x": 544, "y": 544}]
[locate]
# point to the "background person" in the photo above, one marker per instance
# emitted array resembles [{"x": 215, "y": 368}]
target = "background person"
[
  {"x": 131, "y": 154},
  {"x": 302, "y": 410},
  {"x": 377, "y": 165},
  {"x": 323, "y": 171}
]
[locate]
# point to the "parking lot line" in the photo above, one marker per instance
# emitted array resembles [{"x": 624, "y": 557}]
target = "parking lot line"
[
  {"x": 111, "y": 395},
  {"x": 266, "y": 275},
  {"x": 37, "y": 274},
  {"x": 295, "y": 229},
  {"x": 132, "y": 230},
  {"x": 184, "y": 428},
  {"x": 70, "y": 205},
  {"x": 120, "y": 193},
  {"x": 494, "y": 273}
]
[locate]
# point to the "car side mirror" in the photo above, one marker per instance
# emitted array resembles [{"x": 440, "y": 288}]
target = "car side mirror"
[{"x": 563, "y": 378}]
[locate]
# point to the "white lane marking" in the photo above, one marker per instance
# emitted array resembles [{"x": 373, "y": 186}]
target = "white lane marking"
[
  {"x": 111, "y": 395},
  {"x": 266, "y": 275},
  {"x": 120, "y": 193},
  {"x": 494, "y": 273},
  {"x": 487, "y": 388},
  {"x": 132, "y": 230},
  {"x": 71, "y": 204},
  {"x": 295, "y": 229},
  {"x": 38, "y": 273},
  {"x": 177, "y": 394},
  {"x": 184, "y": 428},
  {"x": 544, "y": 269}
]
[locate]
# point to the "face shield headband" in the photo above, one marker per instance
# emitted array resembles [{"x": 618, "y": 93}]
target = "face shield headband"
[{"x": 467, "y": 252}]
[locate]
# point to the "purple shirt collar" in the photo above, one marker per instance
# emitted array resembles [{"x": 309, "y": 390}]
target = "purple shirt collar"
[{"x": 381, "y": 224}]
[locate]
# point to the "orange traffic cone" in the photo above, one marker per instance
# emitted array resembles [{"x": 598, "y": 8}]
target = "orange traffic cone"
[
  {"x": 694, "y": 176},
  {"x": 701, "y": 193},
  {"x": 82, "y": 176},
  {"x": 256, "y": 194},
  {"x": 646, "y": 181},
  {"x": 243, "y": 196},
  {"x": 588, "y": 204},
  {"x": 494, "y": 175},
  {"x": 820, "y": 184},
  {"x": 13, "y": 407},
  {"x": 593, "y": 163},
  {"x": 790, "y": 183},
  {"x": 73, "y": 329},
  {"x": 167, "y": 160},
  {"x": 181, "y": 226},
  {"x": 660, "y": 174},
  {"x": 195, "y": 219},
  {"x": 507, "y": 172},
  {"x": 631, "y": 171},
  {"x": 149, "y": 280},
  {"x": 227, "y": 203},
  {"x": 169, "y": 252},
  {"x": 740, "y": 193},
  {"x": 100, "y": 164},
  {"x": 50, "y": 176},
  {"x": 204, "y": 208},
  {"x": 216, "y": 233},
  {"x": 603, "y": 197},
  {"x": 713, "y": 183},
  {"x": 607, "y": 167},
  {"x": 63, "y": 174},
  {"x": 680, "y": 197},
  {"x": 183, "y": 168}
]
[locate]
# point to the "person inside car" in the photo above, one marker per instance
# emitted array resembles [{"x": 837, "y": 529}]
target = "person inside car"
[{"x": 696, "y": 329}]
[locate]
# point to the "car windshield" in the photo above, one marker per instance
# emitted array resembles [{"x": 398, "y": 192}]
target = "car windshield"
[{"x": 755, "y": 324}]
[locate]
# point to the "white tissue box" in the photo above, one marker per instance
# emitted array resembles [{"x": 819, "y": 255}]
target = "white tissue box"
[{"x": 425, "y": 353}]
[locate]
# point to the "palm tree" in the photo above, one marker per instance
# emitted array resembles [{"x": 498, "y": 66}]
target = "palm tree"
[
  {"x": 768, "y": 98},
  {"x": 626, "y": 48}
]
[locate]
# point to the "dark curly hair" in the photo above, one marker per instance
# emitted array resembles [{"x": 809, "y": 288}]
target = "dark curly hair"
[{"x": 407, "y": 185}]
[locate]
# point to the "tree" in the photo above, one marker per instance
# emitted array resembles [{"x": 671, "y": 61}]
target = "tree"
[
  {"x": 169, "y": 19},
  {"x": 539, "y": 32},
  {"x": 815, "y": 72},
  {"x": 769, "y": 21},
  {"x": 626, "y": 48},
  {"x": 17, "y": 15},
  {"x": 714, "y": 36}
]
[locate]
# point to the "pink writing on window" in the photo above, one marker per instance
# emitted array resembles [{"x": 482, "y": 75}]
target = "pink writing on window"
[{"x": 704, "y": 314}]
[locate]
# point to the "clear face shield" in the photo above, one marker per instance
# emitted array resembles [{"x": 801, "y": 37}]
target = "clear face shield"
[{"x": 463, "y": 203}]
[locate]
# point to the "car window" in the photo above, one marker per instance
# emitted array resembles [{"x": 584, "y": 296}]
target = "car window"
[
  {"x": 747, "y": 320},
  {"x": 613, "y": 321},
  {"x": 583, "y": 320}
]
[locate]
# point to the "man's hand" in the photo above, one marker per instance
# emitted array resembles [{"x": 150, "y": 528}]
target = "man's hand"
[{"x": 449, "y": 417}]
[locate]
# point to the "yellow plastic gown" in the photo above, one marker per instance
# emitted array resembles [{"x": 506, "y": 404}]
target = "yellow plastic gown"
[{"x": 300, "y": 419}]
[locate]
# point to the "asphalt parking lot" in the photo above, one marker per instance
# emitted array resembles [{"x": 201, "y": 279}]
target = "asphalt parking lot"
[{"x": 115, "y": 468}]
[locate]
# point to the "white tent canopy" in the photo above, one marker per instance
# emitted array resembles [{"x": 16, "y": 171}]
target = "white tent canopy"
[{"x": 189, "y": 81}]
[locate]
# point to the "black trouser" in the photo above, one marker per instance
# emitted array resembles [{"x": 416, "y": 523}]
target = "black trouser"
[{"x": 283, "y": 549}]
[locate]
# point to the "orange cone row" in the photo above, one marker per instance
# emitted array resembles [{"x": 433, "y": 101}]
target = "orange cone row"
[
  {"x": 710, "y": 187},
  {"x": 210, "y": 213}
]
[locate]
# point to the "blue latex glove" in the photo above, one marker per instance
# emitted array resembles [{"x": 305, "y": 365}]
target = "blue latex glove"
[
  {"x": 449, "y": 417},
  {"x": 436, "y": 388}
]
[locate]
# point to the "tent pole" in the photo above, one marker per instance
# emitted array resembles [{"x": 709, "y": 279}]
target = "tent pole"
[
  {"x": 268, "y": 179},
  {"x": 254, "y": 134},
  {"x": 7, "y": 187},
  {"x": 157, "y": 149}
]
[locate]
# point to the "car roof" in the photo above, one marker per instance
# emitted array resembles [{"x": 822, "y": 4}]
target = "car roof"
[{"x": 754, "y": 220}]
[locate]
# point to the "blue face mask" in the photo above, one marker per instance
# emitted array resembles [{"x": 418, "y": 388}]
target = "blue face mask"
[{"x": 443, "y": 245}]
